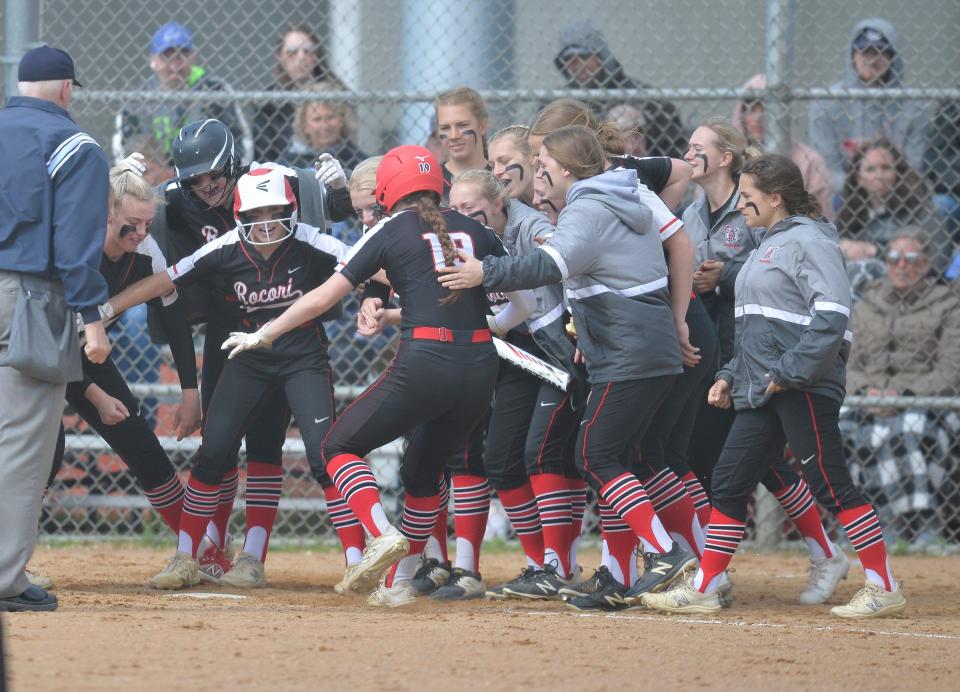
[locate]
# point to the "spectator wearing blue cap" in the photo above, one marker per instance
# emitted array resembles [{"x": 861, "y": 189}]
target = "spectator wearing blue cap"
[
  {"x": 53, "y": 209},
  {"x": 173, "y": 60}
]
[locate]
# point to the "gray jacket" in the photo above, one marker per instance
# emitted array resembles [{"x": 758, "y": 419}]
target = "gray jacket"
[
  {"x": 792, "y": 309},
  {"x": 730, "y": 241},
  {"x": 613, "y": 268},
  {"x": 834, "y": 122}
]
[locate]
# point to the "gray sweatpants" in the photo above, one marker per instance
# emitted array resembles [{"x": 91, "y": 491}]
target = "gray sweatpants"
[{"x": 30, "y": 413}]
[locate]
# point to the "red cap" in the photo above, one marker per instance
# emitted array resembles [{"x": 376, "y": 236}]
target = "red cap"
[{"x": 405, "y": 170}]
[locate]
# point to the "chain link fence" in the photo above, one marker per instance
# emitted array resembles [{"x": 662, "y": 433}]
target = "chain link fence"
[{"x": 869, "y": 110}]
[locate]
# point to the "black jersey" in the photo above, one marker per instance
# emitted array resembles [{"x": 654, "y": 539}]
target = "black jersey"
[
  {"x": 410, "y": 253},
  {"x": 263, "y": 288},
  {"x": 652, "y": 171}
]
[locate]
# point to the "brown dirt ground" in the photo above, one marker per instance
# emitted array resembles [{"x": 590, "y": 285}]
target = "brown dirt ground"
[{"x": 112, "y": 633}]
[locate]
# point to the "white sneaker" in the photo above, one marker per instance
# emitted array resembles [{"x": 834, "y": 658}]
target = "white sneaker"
[
  {"x": 180, "y": 572},
  {"x": 379, "y": 554},
  {"x": 825, "y": 574},
  {"x": 399, "y": 594},
  {"x": 872, "y": 602},
  {"x": 683, "y": 598},
  {"x": 41, "y": 580},
  {"x": 247, "y": 573},
  {"x": 725, "y": 589}
]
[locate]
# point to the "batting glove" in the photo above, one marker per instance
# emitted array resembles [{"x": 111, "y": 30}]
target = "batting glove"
[
  {"x": 330, "y": 172},
  {"x": 243, "y": 341},
  {"x": 134, "y": 163}
]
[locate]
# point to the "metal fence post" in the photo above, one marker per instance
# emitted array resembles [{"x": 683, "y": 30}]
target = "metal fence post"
[
  {"x": 778, "y": 61},
  {"x": 20, "y": 31}
]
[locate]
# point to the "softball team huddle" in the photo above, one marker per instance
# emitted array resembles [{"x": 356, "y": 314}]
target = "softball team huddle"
[{"x": 728, "y": 327}]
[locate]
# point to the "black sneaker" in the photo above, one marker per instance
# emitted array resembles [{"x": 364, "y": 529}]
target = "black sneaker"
[
  {"x": 463, "y": 585},
  {"x": 660, "y": 571},
  {"x": 541, "y": 584},
  {"x": 431, "y": 575},
  {"x": 34, "y": 598},
  {"x": 497, "y": 594},
  {"x": 608, "y": 596},
  {"x": 585, "y": 587}
]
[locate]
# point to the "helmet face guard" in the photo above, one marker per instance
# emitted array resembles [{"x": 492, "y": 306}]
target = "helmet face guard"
[
  {"x": 287, "y": 220},
  {"x": 264, "y": 187}
]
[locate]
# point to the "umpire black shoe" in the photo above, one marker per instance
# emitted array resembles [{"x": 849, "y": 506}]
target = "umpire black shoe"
[
  {"x": 34, "y": 598},
  {"x": 660, "y": 571},
  {"x": 608, "y": 596},
  {"x": 585, "y": 587},
  {"x": 431, "y": 575},
  {"x": 541, "y": 584}
]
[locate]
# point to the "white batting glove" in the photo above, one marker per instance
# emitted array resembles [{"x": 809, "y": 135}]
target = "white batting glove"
[
  {"x": 330, "y": 172},
  {"x": 243, "y": 341},
  {"x": 106, "y": 311},
  {"x": 494, "y": 327},
  {"x": 134, "y": 163}
]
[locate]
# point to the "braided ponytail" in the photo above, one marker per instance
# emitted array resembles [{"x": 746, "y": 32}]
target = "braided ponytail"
[{"x": 426, "y": 205}]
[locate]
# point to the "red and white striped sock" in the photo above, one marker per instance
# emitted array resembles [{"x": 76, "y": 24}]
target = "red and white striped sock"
[
  {"x": 621, "y": 543},
  {"x": 471, "y": 505},
  {"x": 723, "y": 538},
  {"x": 627, "y": 496},
  {"x": 556, "y": 516},
  {"x": 345, "y": 523},
  {"x": 358, "y": 486},
  {"x": 798, "y": 503},
  {"x": 218, "y": 528},
  {"x": 866, "y": 536},
  {"x": 437, "y": 544},
  {"x": 199, "y": 504},
  {"x": 419, "y": 516},
  {"x": 674, "y": 506},
  {"x": 578, "y": 507},
  {"x": 263, "y": 487},
  {"x": 701, "y": 502},
  {"x": 521, "y": 508},
  {"x": 167, "y": 501}
]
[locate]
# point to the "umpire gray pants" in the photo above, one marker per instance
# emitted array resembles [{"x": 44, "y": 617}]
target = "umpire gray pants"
[{"x": 30, "y": 413}]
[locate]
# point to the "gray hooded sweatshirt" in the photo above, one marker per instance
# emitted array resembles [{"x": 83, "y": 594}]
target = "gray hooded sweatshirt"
[
  {"x": 792, "y": 309},
  {"x": 836, "y": 123},
  {"x": 611, "y": 262}
]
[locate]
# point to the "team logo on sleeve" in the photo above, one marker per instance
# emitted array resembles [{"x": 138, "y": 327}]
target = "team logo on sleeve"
[
  {"x": 768, "y": 254},
  {"x": 731, "y": 236},
  {"x": 209, "y": 233}
]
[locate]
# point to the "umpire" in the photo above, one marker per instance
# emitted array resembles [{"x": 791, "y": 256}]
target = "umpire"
[{"x": 53, "y": 209}]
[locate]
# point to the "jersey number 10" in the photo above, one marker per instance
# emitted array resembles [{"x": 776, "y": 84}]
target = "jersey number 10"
[{"x": 460, "y": 240}]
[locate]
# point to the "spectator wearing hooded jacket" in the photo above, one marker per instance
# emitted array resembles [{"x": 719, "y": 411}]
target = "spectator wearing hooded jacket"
[
  {"x": 838, "y": 128},
  {"x": 586, "y": 62}
]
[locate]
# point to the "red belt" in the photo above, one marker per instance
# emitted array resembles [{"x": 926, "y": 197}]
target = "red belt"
[{"x": 463, "y": 336}]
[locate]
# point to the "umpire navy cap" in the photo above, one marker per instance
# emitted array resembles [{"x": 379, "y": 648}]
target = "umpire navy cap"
[{"x": 45, "y": 64}]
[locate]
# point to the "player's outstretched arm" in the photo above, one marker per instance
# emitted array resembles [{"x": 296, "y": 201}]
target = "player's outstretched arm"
[{"x": 160, "y": 284}]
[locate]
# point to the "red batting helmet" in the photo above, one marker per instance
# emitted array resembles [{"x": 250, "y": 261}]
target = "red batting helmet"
[{"x": 405, "y": 170}]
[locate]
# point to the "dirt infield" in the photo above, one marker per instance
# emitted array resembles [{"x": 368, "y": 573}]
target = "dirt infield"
[{"x": 112, "y": 633}]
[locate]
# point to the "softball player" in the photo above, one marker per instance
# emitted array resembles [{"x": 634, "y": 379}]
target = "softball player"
[
  {"x": 462, "y": 120},
  {"x": 786, "y": 382}
]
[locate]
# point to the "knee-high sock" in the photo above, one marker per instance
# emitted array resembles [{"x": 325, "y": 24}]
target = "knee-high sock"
[
  {"x": 437, "y": 543},
  {"x": 798, "y": 503},
  {"x": 866, "y": 536},
  {"x": 419, "y": 516},
  {"x": 621, "y": 543},
  {"x": 723, "y": 538},
  {"x": 167, "y": 501},
  {"x": 521, "y": 508},
  {"x": 263, "y": 488},
  {"x": 345, "y": 523},
  {"x": 676, "y": 510},
  {"x": 217, "y": 529},
  {"x": 358, "y": 486},
  {"x": 199, "y": 504},
  {"x": 556, "y": 516},
  {"x": 578, "y": 506},
  {"x": 627, "y": 496},
  {"x": 700, "y": 500},
  {"x": 471, "y": 505}
]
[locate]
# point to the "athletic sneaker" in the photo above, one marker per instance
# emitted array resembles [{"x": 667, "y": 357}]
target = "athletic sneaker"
[
  {"x": 683, "y": 598},
  {"x": 542, "y": 584},
  {"x": 379, "y": 554},
  {"x": 40, "y": 580},
  {"x": 463, "y": 585},
  {"x": 399, "y": 594},
  {"x": 725, "y": 589},
  {"x": 180, "y": 572},
  {"x": 497, "y": 592},
  {"x": 872, "y": 602},
  {"x": 660, "y": 571},
  {"x": 609, "y": 594},
  {"x": 585, "y": 587},
  {"x": 213, "y": 562},
  {"x": 431, "y": 575},
  {"x": 247, "y": 573},
  {"x": 825, "y": 574}
]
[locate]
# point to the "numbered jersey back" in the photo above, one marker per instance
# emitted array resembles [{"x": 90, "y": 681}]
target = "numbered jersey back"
[{"x": 412, "y": 254}]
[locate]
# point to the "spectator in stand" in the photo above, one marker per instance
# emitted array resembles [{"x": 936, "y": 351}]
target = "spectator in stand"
[
  {"x": 301, "y": 61},
  {"x": 839, "y": 128},
  {"x": 323, "y": 127},
  {"x": 173, "y": 59},
  {"x": 586, "y": 62},
  {"x": 632, "y": 122},
  {"x": 941, "y": 164},
  {"x": 907, "y": 328},
  {"x": 748, "y": 116}
]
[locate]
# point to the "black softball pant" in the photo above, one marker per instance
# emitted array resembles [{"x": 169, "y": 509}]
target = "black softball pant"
[
  {"x": 441, "y": 391},
  {"x": 552, "y": 436},
  {"x": 248, "y": 384},
  {"x": 811, "y": 424}
]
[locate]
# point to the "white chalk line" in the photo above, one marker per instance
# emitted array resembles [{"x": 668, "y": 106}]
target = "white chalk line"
[
  {"x": 206, "y": 594},
  {"x": 734, "y": 623}
]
